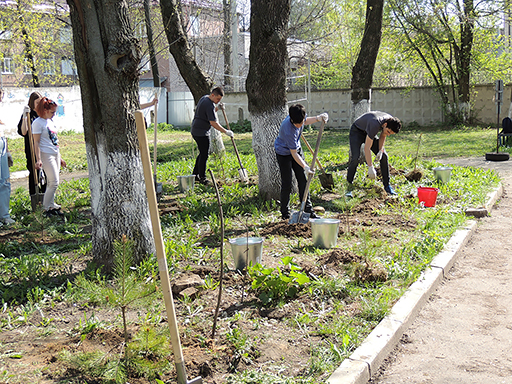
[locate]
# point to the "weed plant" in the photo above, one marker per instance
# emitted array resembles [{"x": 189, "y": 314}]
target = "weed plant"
[{"x": 44, "y": 262}]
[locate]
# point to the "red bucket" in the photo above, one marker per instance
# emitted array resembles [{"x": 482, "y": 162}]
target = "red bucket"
[{"x": 427, "y": 196}]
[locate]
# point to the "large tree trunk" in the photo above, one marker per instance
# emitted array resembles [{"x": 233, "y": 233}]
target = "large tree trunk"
[
  {"x": 266, "y": 86},
  {"x": 362, "y": 73},
  {"x": 197, "y": 80},
  {"x": 107, "y": 57}
]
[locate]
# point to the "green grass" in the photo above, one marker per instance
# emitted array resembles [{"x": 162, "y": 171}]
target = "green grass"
[{"x": 38, "y": 260}]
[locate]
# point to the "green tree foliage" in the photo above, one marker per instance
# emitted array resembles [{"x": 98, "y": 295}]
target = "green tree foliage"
[{"x": 36, "y": 43}]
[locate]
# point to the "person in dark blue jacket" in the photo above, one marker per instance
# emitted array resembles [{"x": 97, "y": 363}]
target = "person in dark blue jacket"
[{"x": 290, "y": 157}]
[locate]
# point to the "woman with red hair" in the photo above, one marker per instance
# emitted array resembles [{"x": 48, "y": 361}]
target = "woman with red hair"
[{"x": 46, "y": 148}]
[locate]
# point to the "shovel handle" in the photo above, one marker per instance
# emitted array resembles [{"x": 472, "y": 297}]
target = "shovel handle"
[
  {"x": 232, "y": 139},
  {"x": 311, "y": 150},
  {"x": 160, "y": 248},
  {"x": 33, "y": 155},
  {"x": 310, "y": 176}
]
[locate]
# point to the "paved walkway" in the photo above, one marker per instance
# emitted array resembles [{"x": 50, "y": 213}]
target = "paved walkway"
[{"x": 464, "y": 332}]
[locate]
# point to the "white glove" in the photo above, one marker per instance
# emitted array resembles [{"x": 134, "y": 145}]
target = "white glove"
[
  {"x": 220, "y": 105},
  {"x": 26, "y": 109},
  {"x": 323, "y": 116},
  {"x": 230, "y": 133},
  {"x": 379, "y": 154},
  {"x": 308, "y": 170},
  {"x": 371, "y": 172},
  {"x": 10, "y": 162}
]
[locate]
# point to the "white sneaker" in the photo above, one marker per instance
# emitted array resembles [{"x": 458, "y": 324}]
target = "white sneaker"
[{"x": 8, "y": 221}]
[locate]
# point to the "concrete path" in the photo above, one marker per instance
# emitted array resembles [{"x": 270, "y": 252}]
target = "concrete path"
[{"x": 463, "y": 334}]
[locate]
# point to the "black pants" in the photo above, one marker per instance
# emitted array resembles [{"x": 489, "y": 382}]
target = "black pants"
[
  {"x": 356, "y": 138},
  {"x": 203, "y": 144},
  {"x": 287, "y": 164},
  {"x": 31, "y": 182}
]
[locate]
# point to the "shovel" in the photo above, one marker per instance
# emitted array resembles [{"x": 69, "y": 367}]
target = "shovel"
[
  {"x": 36, "y": 198},
  {"x": 160, "y": 253},
  {"x": 301, "y": 216},
  {"x": 158, "y": 186},
  {"x": 242, "y": 172},
  {"x": 325, "y": 178}
]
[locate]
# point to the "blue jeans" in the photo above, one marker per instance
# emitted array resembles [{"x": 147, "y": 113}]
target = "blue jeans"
[{"x": 5, "y": 185}]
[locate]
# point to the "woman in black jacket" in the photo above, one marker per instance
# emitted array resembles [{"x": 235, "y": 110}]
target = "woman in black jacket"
[{"x": 23, "y": 130}]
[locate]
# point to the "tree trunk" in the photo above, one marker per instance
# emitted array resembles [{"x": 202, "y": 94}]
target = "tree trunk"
[
  {"x": 151, "y": 48},
  {"x": 266, "y": 86},
  {"x": 198, "y": 82},
  {"x": 463, "y": 57},
  {"x": 362, "y": 73},
  {"x": 107, "y": 57},
  {"x": 226, "y": 40}
]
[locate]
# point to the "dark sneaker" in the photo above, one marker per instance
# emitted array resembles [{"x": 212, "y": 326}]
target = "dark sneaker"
[
  {"x": 57, "y": 212},
  {"x": 389, "y": 189},
  {"x": 205, "y": 181}
]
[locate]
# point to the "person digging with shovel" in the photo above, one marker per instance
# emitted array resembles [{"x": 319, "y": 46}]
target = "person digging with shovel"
[
  {"x": 205, "y": 117},
  {"x": 365, "y": 130},
  {"x": 290, "y": 157}
]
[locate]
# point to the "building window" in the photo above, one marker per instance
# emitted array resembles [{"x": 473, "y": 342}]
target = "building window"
[
  {"x": 68, "y": 67},
  {"x": 140, "y": 31},
  {"x": 145, "y": 64},
  {"x": 7, "y": 65},
  {"x": 5, "y": 35},
  {"x": 194, "y": 26},
  {"x": 66, "y": 35},
  {"x": 49, "y": 66},
  {"x": 26, "y": 67}
]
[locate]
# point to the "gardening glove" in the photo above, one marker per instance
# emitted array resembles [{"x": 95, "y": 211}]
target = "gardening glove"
[
  {"x": 26, "y": 109},
  {"x": 230, "y": 133},
  {"x": 9, "y": 159},
  {"x": 220, "y": 105},
  {"x": 323, "y": 116},
  {"x": 371, "y": 172},
  {"x": 379, "y": 154},
  {"x": 308, "y": 170}
]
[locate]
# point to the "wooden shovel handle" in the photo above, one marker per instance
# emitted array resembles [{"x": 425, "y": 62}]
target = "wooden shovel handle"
[
  {"x": 310, "y": 176},
  {"x": 232, "y": 139},
  {"x": 311, "y": 150},
  {"x": 33, "y": 154},
  {"x": 159, "y": 245}
]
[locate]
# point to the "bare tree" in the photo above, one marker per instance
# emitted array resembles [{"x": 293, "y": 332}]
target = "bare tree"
[
  {"x": 198, "y": 81},
  {"x": 362, "y": 73},
  {"x": 108, "y": 57}
]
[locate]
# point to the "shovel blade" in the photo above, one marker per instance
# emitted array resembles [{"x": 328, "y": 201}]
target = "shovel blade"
[
  {"x": 299, "y": 217},
  {"x": 242, "y": 172},
  {"x": 326, "y": 181}
]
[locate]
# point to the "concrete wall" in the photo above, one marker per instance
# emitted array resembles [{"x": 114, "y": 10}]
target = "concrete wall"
[
  {"x": 69, "y": 111},
  {"x": 411, "y": 105}
]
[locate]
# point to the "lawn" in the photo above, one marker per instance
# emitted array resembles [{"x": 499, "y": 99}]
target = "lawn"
[{"x": 292, "y": 319}]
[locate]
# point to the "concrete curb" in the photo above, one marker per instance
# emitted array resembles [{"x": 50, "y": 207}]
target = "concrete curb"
[{"x": 359, "y": 367}]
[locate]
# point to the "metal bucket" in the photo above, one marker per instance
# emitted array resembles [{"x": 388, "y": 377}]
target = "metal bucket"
[
  {"x": 442, "y": 174},
  {"x": 325, "y": 232},
  {"x": 246, "y": 250},
  {"x": 186, "y": 183}
]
